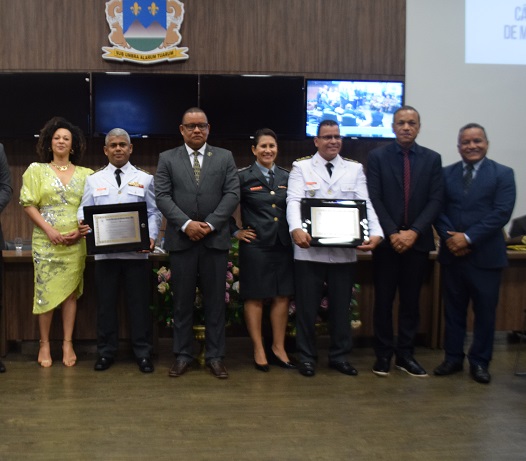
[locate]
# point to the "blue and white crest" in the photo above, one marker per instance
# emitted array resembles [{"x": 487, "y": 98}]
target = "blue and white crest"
[{"x": 145, "y": 31}]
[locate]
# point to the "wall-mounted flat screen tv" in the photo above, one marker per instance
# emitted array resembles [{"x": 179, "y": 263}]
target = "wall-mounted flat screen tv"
[
  {"x": 29, "y": 99},
  {"x": 363, "y": 109},
  {"x": 143, "y": 104},
  {"x": 238, "y": 105}
]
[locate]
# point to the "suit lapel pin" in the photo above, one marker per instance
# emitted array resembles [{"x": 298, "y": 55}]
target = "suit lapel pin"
[{"x": 209, "y": 154}]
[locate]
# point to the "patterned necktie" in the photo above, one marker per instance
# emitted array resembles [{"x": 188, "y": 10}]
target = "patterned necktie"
[
  {"x": 468, "y": 176},
  {"x": 329, "y": 167},
  {"x": 118, "y": 173},
  {"x": 407, "y": 185},
  {"x": 197, "y": 167},
  {"x": 271, "y": 179}
]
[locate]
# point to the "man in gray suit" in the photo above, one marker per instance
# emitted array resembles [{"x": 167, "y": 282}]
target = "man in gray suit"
[
  {"x": 6, "y": 191},
  {"x": 197, "y": 190}
]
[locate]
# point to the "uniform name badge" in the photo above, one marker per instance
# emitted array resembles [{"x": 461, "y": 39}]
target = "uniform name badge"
[
  {"x": 117, "y": 228},
  {"x": 335, "y": 222}
]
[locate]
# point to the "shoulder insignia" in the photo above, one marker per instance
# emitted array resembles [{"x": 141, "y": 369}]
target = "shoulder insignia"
[
  {"x": 144, "y": 171},
  {"x": 304, "y": 158},
  {"x": 350, "y": 160},
  {"x": 243, "y": 169},
  {"x": 283, "y": 169},
  {"x": 100, "y": 169}
]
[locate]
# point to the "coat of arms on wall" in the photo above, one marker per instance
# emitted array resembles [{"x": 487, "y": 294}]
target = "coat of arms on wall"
[{"x": 144, "y": 31}]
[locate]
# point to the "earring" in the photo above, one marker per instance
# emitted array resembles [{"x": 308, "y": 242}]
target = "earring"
[{"x": 71, "y": 152}]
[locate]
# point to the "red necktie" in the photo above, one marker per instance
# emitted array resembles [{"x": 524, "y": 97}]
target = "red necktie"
[{"x": 407, "y": 184}]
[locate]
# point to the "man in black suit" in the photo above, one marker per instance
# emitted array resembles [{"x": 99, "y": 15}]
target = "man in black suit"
[
  {"x": 479, "y": 198},
  {"x": 405, "y": 186},
  {"x": 6, "y": 191},
  {"x": 197, "y": 190}
]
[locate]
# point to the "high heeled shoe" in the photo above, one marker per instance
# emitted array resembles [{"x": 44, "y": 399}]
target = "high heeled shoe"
[
  {"x": 264, "y": 368},
  {"x": 71, "y": 362},
  {"x": 277, "y": 361},
  {"x": 46, "y": 363}
]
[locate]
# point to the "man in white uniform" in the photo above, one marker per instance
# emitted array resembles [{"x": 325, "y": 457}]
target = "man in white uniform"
[
  {"x": 326, "y": 175},
  {"x": 121, "y": 182}
]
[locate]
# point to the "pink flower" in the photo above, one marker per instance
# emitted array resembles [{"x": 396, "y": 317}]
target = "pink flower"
[
  {"x": 229, "y": 276},
  {"x": 163, "y": 274},
  {"x": 292, "y": 308},
  {"x": 324, "y": 304},
  {"x": 227, "y": 297}
]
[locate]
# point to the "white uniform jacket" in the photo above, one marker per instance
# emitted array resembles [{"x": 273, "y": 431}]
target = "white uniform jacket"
[
  {"x": 309, "y": 179},
  {"x": 136, "y": 186}
]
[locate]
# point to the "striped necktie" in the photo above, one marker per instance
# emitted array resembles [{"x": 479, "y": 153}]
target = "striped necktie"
[
  {"x": 468, "y": 176},
  {"x": 197, "y": 167}
]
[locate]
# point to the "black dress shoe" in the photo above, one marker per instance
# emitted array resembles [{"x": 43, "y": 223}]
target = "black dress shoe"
[
  {"x": 448, "y": 368},
  {"x": 480, "y": 374},
  {"x": 218, "y": 369},
  {"x": 410, "y": 366},
  {"x": 179, "y": 368},
  {"x": 280, "y": 363},
  {"x": 344, "y": 367},
  {"x": 103, "y": 363},
  {"x": 2, "y": 368},
  {"x": 307, "y": 369},
  {"x": 145, "y": 365},
  {"x": 265, "y": 368},
  {"x": 382, "y": 366}
]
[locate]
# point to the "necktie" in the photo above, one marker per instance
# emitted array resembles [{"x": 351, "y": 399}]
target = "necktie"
[
  {"x": 468, "y": 176},
  {"x": 407, "y": 184},
  {"x": 329, "y": 167},
  {"x": 271, "y": 179},
  {"x": 118, "y": 172},
  {"x": 197, "y": 167}
]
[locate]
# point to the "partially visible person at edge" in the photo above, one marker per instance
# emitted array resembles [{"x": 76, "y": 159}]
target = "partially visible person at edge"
[
  {"x": 51, "y": 193},
  {"x": 265, "y": 250},
  {"x": 478, "y": 202},
  {"x": 122, "y": 182},
  {"x": 6, "y": 191},
  {"x": 406, "y": 187},
  {"x": 197, "y": 190},
  {"x": 326, "y": 175}
]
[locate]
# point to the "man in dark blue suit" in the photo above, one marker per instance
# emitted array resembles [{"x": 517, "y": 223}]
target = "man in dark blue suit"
[
  {"x": 478, "y": 202},
  {"x": 406, "y": 189}
]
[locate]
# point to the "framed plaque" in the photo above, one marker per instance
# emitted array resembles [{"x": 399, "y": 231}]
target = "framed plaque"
[
  {"x": 335, "y": 222},
  {"x": 117, "y": 228}
]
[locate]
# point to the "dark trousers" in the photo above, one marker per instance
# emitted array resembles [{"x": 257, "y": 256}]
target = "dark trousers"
[
  {"x": 209, "y": 267},
  {"x": 134, "y": 276},
  {"x": 463, "y": 282},
  {"x": 309, "y": 279},
  {"x": 405, "y": 273}
]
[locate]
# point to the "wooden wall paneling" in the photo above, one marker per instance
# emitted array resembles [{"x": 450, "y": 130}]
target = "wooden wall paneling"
[{"x": 320, "y": 38}]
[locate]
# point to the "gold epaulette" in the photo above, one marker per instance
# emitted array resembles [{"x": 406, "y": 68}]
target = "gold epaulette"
[
  {"x": 144, "y": 171},
  {"x": 304, "y": 158},
  {"x": 350, "y": 159},
  {"x": 100, "y": 169}
]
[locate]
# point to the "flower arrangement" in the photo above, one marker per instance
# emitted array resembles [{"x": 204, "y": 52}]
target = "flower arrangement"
[
  {"x": 163, "y": 311},
  {"x": 323, "y": 312}
]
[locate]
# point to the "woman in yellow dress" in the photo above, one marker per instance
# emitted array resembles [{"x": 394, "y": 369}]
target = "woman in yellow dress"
[{"x": 51, "y": 193}]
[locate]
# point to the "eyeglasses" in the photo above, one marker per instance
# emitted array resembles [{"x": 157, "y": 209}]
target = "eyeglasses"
[
  {"x": 193, "y": 126},
  {"x": 329, "y": 137}
]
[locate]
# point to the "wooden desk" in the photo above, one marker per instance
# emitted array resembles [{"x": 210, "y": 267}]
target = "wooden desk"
[{"x": 19, "y": 324}]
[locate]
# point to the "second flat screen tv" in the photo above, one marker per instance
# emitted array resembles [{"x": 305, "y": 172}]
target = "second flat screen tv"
[
  {"x": 238, "y": 105},
  {"x": 363, "y": 109},
  {"x": 145, "y": 105}
]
